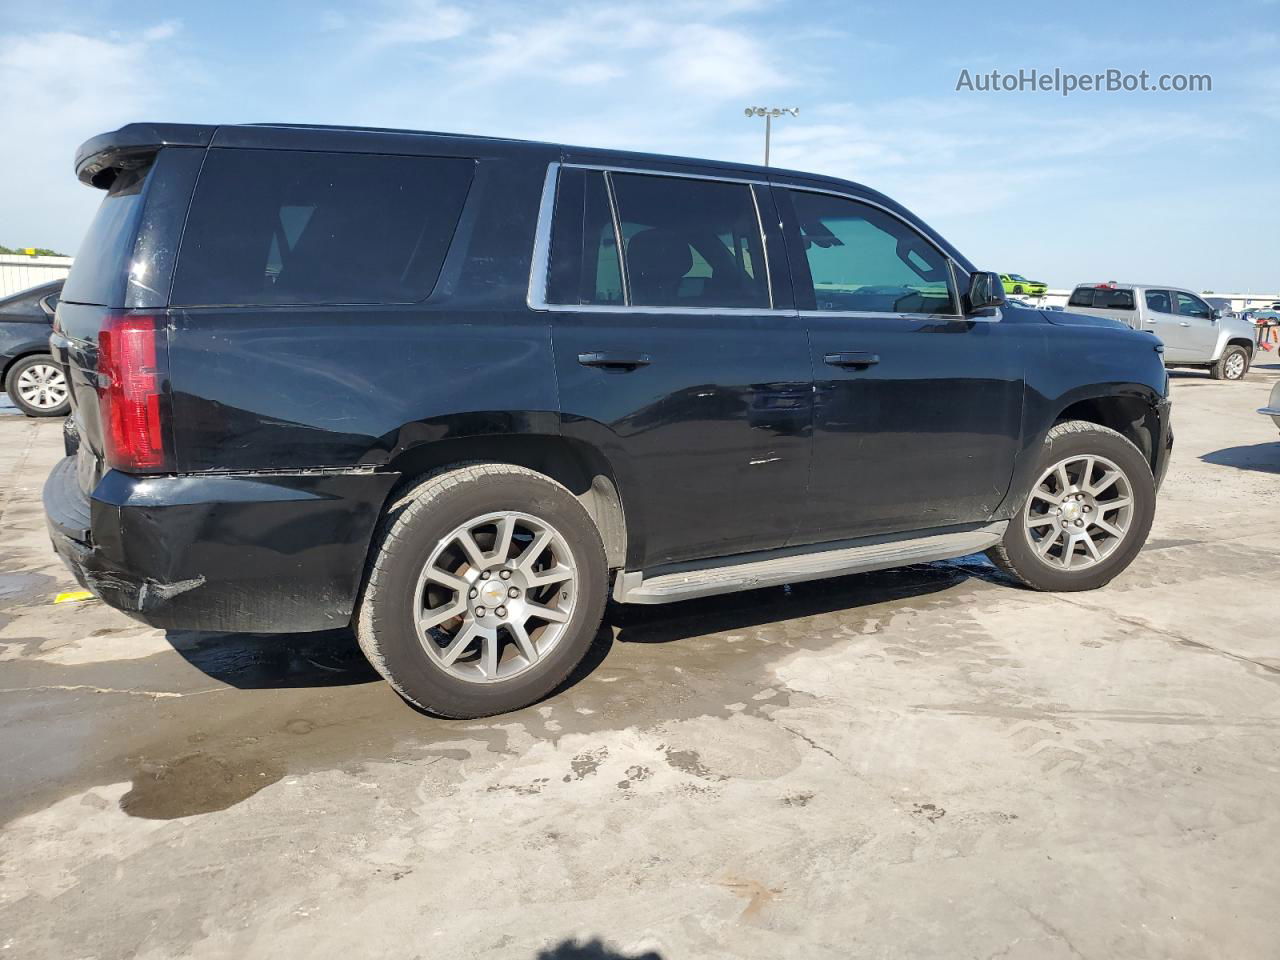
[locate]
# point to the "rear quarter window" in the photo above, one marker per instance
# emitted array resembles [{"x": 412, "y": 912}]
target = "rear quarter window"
[{"x": 287, "y": 227}]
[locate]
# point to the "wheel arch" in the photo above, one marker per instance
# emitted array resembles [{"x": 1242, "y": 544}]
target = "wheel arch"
[
  {"x": 1239, "y": 341},
  {"x": 577, "y": 466},
  {"x": 30, "y": 351},
  {"x": 1133, "y": 417}
]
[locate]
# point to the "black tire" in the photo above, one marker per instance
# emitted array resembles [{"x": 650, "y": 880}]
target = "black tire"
[
  {"x": 1015, "y": 554},
  {"x": 410, "y": 532},
  {"x": 1017, "y": 288},
  {"x": 1220, "y": 371},
  {"x": 20, "y": 367}
]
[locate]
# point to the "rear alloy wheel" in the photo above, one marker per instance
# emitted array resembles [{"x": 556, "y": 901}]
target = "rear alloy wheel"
[
  {"x": 485, "y": 588},
  {"x": 1086, "y": 516},
  {"x": 1232, "y": 365},
  {"x": 38, "y": 387},
  {"x": 495, "y": 596}
]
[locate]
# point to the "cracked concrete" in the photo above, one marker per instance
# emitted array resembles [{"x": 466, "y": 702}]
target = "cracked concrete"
[{"x": 918, "y": 763}]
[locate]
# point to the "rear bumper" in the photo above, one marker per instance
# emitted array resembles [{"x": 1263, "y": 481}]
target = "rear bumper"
[{"x": 264, "y": 553}]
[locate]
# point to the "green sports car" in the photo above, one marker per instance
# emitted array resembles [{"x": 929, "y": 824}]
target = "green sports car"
[{"x": 1017, "y": 283}]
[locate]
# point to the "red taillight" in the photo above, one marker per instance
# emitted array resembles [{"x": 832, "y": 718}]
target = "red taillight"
[{"x": 131, "y": 372}]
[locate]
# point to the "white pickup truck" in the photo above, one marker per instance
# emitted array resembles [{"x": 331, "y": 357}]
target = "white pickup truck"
[{"x": 1194, "y": 334}]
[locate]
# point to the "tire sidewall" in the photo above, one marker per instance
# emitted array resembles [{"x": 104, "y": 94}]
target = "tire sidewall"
[
  {"x": 1125, "y": 455},
  {"x": 415, "y": 534},
  {"x": 11, "y": 388}
]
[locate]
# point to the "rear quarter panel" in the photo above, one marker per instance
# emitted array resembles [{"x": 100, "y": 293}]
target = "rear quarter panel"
[{"x": 286, "y": 388}]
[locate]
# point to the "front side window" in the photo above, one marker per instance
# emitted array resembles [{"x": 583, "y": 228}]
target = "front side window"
[
  {"x": 1189, "y": 306},
  {"x": 864, "y": 260},
  {"x": 688, "y": 243},
  {"x": 291, "y": 227}
]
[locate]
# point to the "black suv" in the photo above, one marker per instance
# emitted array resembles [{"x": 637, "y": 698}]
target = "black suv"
[{"x": 458, "y": 391}]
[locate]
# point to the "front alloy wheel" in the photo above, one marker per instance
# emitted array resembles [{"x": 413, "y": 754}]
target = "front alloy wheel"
[
  {"x": 1079, "y": 512},
  {"x": 1086, "y": 516}
]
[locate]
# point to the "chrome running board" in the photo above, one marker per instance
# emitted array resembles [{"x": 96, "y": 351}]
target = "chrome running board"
[{"x": 791, "y": 565}]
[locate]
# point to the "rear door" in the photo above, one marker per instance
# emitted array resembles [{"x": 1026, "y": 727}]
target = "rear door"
[
  {"x": 1159, "y": 316},
  {"x": 679, "y": 358},
  {"x": 917, "y": 408}
]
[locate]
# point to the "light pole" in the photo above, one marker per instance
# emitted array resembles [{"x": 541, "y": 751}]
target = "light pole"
[{"x": 769, "y": 113}]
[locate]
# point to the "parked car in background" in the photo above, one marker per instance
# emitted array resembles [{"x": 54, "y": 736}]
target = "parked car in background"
[
  {"x": 1017, "y": 283},
  {"x": 34, "y": 382},
  {"x": 1272, "y": 409},
  {"x": 1194, "y": 334},
  {"x": 458, "y": 391}
]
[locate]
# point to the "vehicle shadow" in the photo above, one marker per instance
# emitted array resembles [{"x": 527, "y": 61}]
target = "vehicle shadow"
[
  {"x": 1262, "y": 457},
  {"x": 250, "y": 661},
  {"x": 333, "y": 658},
  {"x": 595, "y": 949}
]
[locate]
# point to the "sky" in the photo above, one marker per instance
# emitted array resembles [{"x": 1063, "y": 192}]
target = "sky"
[{"x": 1169, "y": 187}]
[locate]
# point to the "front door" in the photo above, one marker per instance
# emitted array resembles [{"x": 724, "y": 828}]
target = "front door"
[
  {"x": 917, "y": 408},
  {"x": 674, "y": 363},
  {"x": 1197, "y": 330}
]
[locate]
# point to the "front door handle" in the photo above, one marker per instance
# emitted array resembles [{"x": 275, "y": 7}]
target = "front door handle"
[
  {"x": 852, "y": 358},
  {"x": 1183, "y": 323},
  {"x": 614, "y": 359}
]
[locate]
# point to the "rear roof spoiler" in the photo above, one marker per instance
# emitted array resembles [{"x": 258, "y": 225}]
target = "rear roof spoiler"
[{"x": 99, "y": 159}]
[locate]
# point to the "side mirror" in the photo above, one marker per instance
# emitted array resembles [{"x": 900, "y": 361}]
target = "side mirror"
[
  {"x": 1216, "y": 315},
  {"x": 985, "y": 290}
]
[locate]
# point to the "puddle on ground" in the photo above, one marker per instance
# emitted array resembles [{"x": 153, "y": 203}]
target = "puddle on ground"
[
  {"x": 196, "y": 783},
  {"x": 297, "y": 704}
]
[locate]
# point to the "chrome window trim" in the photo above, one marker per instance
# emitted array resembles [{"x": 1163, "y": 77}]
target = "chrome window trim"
[
  {"x": 764, "y": 244},
  {"x": 623, "y": 278},
  {"x": 536, "y": 299},
  {"x": 540, "y": 261}
]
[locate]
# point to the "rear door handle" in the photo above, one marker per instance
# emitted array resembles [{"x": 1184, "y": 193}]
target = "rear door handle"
[
  {"x": 614, "y": 359},
  {"x": 1183, "y": 323},
  {"x": 852, "y": 358}
]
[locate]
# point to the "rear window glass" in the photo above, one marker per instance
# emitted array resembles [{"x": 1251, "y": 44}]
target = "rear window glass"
[
  {"x": 1101, "y": 298},
  {"x": 98, "y": 274},
  {"x": 286, "y": 227}
]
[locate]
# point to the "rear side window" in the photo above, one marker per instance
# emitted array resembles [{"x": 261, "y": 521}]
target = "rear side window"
[
  {"x": 287, "y": 227},
  {"x": 585, "y": 267},
  {"x": 1158, "y": 300},
  {"x": 689, "y": 243},
  {"x": 98, "y": 274}
]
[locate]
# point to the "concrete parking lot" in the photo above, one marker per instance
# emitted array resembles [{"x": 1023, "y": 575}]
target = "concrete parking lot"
[{"x": 920, "y": 763}]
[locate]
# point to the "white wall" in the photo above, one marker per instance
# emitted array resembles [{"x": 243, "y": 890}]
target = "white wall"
[{"x": 19, "y": 273}]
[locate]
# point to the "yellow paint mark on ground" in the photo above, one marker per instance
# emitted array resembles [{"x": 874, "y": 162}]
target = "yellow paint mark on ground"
[{"x": 73, "y": 596}]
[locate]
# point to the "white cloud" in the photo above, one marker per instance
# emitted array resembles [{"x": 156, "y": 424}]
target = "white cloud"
[
  {"x": 417, "y": 22},
  {"x": 61, "y": 88}
]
